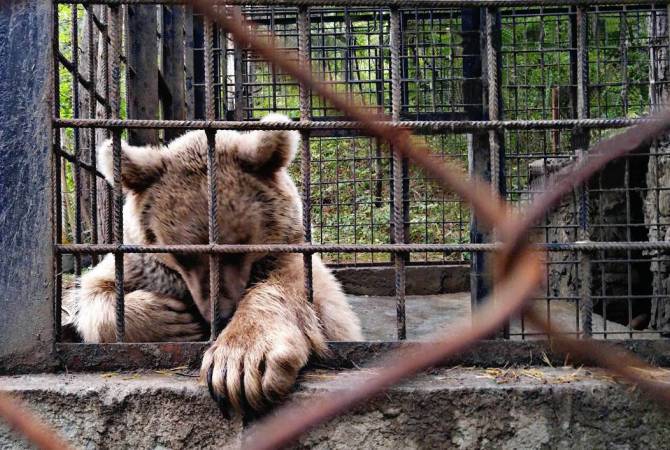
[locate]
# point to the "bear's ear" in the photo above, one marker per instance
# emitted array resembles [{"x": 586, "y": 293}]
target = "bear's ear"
[
  {"x": 140, "y": 166},
  {"x": 268, "y": 151}
]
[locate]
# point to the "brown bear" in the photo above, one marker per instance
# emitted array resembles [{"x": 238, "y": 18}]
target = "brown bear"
[{"x": 274, "y": 329}]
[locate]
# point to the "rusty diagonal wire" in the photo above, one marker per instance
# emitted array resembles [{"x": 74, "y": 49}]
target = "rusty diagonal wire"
[
  {"x": 22, "y": 421},
  {"x": 519, "y": 270}
]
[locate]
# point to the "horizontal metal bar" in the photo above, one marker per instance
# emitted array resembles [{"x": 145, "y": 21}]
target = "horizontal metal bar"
[
  {"x": 453, "y": 126},
  {"x": 389, "y": 3},
  {"x": 346, "y": 248},
  {"x": 129, "y": 356}
]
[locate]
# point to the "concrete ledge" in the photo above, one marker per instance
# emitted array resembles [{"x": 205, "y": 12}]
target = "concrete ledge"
[
  {"x": 458, "y": 407},
  {"x": 425, "y": 280}
]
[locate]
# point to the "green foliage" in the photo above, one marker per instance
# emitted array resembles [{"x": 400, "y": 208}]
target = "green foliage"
[{"x": 351, "y": 176}]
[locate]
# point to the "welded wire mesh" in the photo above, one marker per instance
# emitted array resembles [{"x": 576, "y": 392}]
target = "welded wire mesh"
[{"x": 444, "y": 84}]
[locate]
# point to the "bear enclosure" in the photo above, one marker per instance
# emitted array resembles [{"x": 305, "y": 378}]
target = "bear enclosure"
[{"x": 515, "y": 93}]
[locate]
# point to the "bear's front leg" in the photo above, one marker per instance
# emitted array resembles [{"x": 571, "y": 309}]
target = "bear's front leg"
[{"x": 256, "y": 358}]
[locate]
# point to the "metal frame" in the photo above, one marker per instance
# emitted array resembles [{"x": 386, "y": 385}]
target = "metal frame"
[{"x": 496, "y": 129}]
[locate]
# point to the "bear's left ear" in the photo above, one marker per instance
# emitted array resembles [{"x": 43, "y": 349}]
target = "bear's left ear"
[
  {"x": 140, "y": 166},
  {"x": 268, "y": 151}
]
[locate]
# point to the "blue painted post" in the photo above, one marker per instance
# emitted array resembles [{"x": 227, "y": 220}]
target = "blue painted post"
[{"x": 26, "y": 250}]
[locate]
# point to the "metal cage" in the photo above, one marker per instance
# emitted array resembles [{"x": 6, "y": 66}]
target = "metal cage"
[{"x": 513, "y": 93}]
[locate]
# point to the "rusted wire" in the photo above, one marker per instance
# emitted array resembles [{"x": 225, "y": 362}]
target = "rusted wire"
[
  {"x": 22, "y": 421},
  {"x": 462, "y": 126},
  {"x": 295, "y": 419},
  {"x": 387, "y": 3},
  {"x": 305, "y": 153},
  {"x": 518, "y": 270},
  {"x": 344, "y": 248}
]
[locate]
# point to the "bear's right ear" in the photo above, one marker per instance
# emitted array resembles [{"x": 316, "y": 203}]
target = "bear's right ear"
[
  {"x": 140, "y": 166},
  {"x": 268, "y": 151}
]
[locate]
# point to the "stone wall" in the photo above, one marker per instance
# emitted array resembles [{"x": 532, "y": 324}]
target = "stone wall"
[
  {"x": 657, "y": 203},
  {"x": 609, "y": 209}
]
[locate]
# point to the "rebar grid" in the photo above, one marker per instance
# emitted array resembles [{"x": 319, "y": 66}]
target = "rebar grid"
[
  {"x": 515, "y": 283},
  {"x": 359, "y": 213},
  {"x": 270, "y": 435}
]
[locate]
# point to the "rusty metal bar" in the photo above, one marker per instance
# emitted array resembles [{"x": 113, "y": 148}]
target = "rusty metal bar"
[
  {"x": 344, "y": 248},
  {"x": 344, "y": 355},
  {"x": 210, "y": 111},
  {"x": 118, "y": 238},
  {"x": 461, "y": 126},
  {"x": 398, "y": 215},
  {"x": 74, "y": 39},
  {"x": 474, "y": 95},
  {"x": 581, "y": 142},
  {"x": 520, "y": 265},
  {"x": 188, "y": 62},
  {"x": 387, "y": 3},
  {"x": 19, "y": 419},
  {"x": 92, "y": 107},
  {"x": 214, "y": 235},
  {"x": 115, "y": 102},
  {"x": 494, "y": 100},
  {"x": 212, "y": 186},
  {"x": 240, "y": 73},
  {"x": 305, "y": 153},
  {"x": 496, "y": 139}
]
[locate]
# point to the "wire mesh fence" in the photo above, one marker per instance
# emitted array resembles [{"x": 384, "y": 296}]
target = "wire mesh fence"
[
  {"x": 600, "y": 256},
  {"x": 552, "y": 68}
]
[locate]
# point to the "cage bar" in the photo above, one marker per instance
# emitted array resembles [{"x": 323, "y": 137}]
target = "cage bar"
[
  {"x": 212, "y": 185},
  {"x": 398, "y": 179},
  {"x": 304, "y": 29},
  {"x": 444, "y": 70},
  {"x": 115, "y": 102},
  {"x": 581, "y": 143}
]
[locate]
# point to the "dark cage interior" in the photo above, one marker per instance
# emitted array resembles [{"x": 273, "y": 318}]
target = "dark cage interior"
[{"x": 522, "y": 90}]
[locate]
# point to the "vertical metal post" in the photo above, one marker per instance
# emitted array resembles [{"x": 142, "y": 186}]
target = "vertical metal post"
[
  {"x": 56, "y": 178},
  {"x": 238, "y": 59},
  {"x": 496, "y": 152},
  {"x": 26, "y": 162},
  {"x": 92, "y": 107},
  {"x": 209, "y": 69},
  {"x": 188, "y": 62},
  {"x": 398, "y": 203},
  {"x": 580, "y": 144},
  {"x": 305, "y": 154},
  {"x": 74, "y": 40},
  {"x": 496, "y": 141},
  {"x": 478, "y": 143},
  {"x": 214, "y": 236},
  {"x": 212, "y": 171},
  {"x": 107, "y": 76},
  {"x": 115, "y": 103}
]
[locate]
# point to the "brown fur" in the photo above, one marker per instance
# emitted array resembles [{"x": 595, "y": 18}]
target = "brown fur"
[{"x": 273, "y": 331}]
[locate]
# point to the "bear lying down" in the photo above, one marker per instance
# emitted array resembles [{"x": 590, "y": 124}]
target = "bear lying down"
[{"x": 273, "y": 329}]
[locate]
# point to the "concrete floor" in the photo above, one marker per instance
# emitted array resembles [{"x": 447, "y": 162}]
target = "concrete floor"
[{"x": 428, "y": 314}]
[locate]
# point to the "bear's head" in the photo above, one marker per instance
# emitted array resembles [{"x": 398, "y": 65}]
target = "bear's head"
[{"x": 167, "y": 201}]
